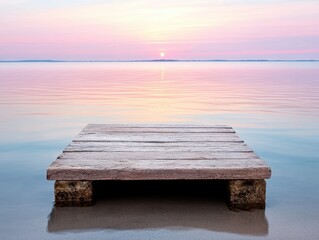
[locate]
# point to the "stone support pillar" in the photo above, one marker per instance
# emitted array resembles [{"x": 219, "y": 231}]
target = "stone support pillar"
[
  {"x": 247, "y": 194},
  {"x": 73, "y": 193}
]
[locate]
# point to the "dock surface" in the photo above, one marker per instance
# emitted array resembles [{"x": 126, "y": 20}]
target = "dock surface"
[{"x": 157, "y": 152}]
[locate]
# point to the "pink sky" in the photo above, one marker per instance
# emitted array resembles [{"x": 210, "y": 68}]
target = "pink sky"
[{"x": 142, "y": 29}]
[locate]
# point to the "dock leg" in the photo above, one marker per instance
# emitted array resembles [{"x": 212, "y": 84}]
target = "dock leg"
[
  {"x": 247, "y": 194},
  {"x": 73, "y": 193}
]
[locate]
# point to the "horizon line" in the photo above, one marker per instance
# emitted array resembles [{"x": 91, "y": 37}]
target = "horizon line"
[{"x": 165, "y": 60}]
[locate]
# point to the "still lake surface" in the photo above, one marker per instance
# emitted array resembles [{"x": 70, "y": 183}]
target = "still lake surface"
[{"x": 274, "y": 106}]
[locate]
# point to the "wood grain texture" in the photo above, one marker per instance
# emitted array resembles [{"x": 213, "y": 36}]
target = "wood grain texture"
[
  {"x": 156, "y": 137},
  {"x": 159, "y": 129},
  {"x": 148, "y": 152},
  {"x": 157, "y": 147},
  {"x": 157, "y": 126},
  {"x": 96, "y": 169},
  {"x": 139, "y": 155}
]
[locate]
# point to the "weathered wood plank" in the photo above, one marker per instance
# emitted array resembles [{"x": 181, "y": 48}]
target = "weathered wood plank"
[
  {"x": 158, "y": 137},
  {"x": 137, "y": 156},
  {"x": 157, "y": 174},
  {"x": 102, "y": 129},
  {"x": 141, "y": 126},
  {"x": 158, "y": 164},
  {"x": 155, "y": 147},
  {"x": 161, "y": 169}
]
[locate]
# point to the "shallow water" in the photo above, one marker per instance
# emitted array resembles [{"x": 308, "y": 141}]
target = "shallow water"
[{"x": 273, "y": 106}]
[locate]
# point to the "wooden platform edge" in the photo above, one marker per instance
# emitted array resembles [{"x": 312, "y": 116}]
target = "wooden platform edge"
[
  {"x": 74, "y": 176},
  {"x": 174, "y": 174}
]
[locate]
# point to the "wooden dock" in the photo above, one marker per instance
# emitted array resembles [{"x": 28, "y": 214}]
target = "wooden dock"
[{"x": 158, "y": 152}]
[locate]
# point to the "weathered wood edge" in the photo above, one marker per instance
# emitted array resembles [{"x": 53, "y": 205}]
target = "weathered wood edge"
[
  {"x": 174, "y": 174},
  {"x": 91, "y": 125}
]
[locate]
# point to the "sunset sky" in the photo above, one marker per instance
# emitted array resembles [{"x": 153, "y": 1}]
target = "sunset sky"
[{"x": 146, "y": 29}]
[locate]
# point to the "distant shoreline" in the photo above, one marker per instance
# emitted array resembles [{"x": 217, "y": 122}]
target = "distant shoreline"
[{"x": 154, "y": 60}]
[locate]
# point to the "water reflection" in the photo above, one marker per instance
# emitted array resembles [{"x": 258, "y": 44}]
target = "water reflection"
[
  {"x": 158, "y": 92},
  {"x": 173, "y": 205}
]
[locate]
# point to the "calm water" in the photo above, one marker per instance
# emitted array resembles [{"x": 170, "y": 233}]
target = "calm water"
[{"x": 273, "y": 106}]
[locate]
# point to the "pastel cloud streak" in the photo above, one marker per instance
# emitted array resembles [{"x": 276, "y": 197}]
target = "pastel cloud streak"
[{"x": 141, "y": 29}]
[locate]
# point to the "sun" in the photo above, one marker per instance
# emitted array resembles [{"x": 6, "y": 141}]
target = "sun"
[{"x": 162, "y": 54}]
